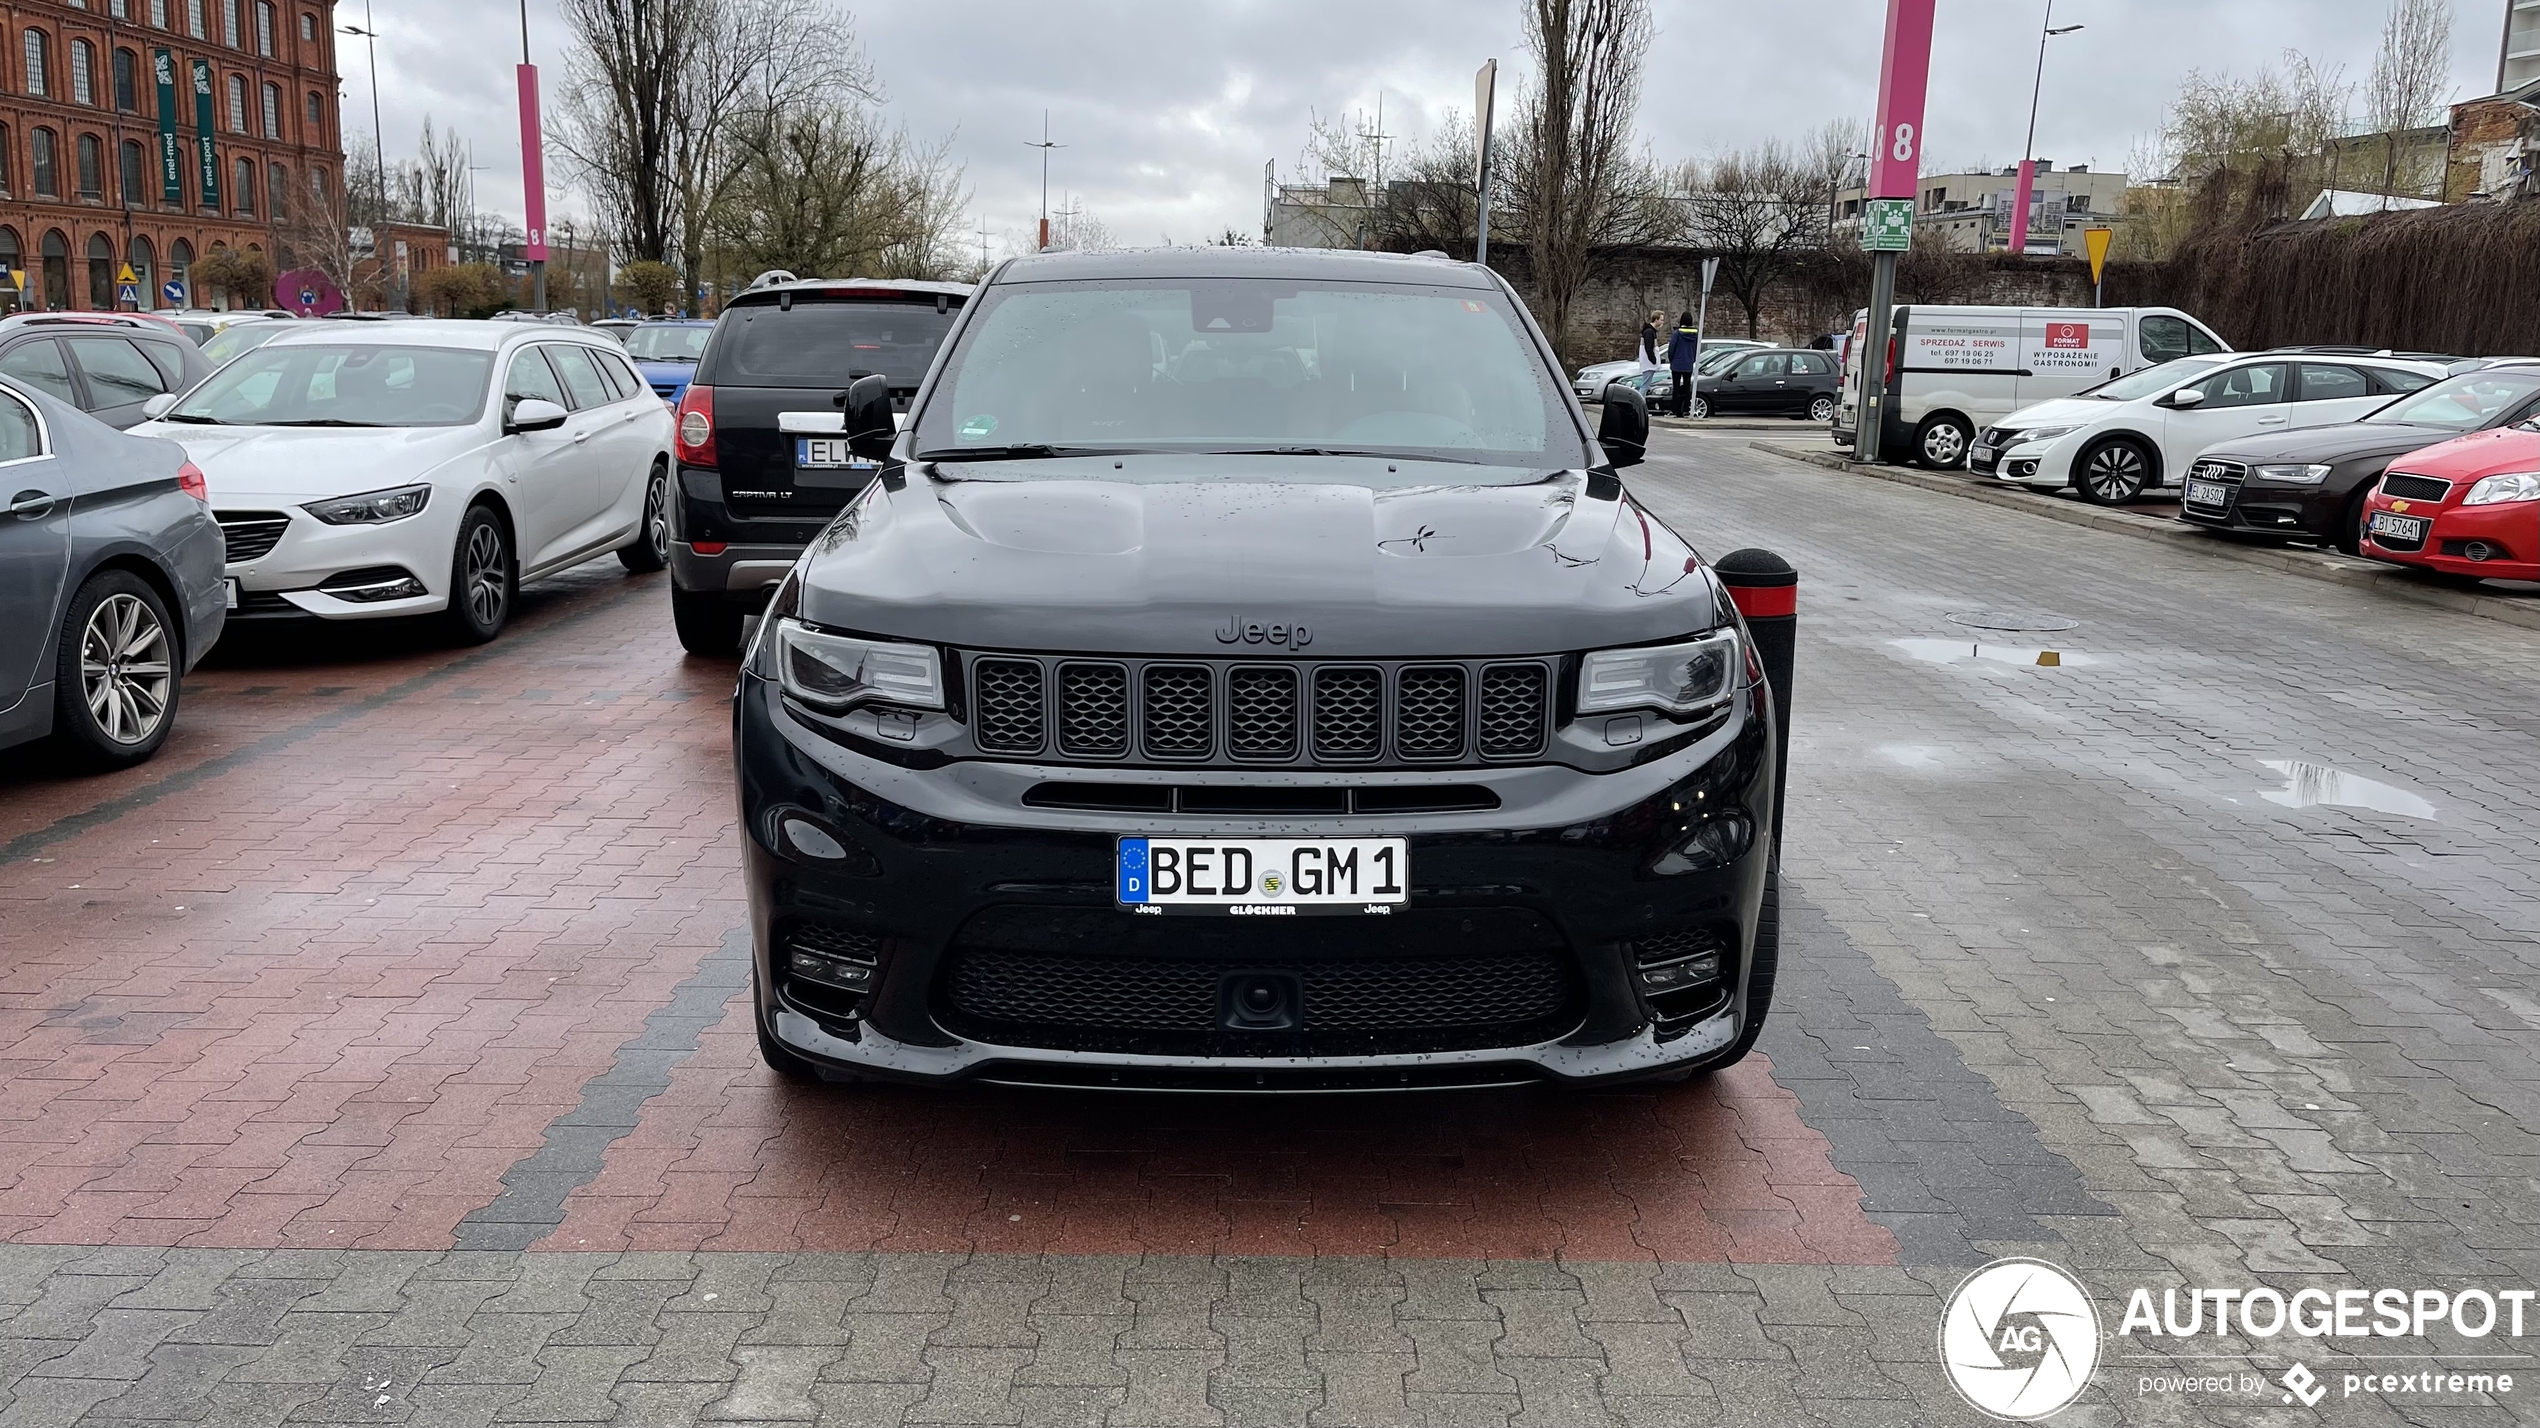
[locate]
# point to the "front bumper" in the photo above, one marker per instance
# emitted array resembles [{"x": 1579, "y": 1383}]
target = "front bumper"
[
  {"x": 2509, "y": 532},
  {"x": 940, "y": 877},
  {"x": 284, "y": 582}
]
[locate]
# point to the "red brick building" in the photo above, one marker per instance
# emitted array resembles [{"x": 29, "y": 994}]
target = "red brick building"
[{"x": 97, "y": 170}]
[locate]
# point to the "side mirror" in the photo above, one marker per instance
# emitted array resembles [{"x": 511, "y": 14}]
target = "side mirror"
[
  {"x": 158, "y": 406},
  {"x": 535, "y": 414},
  {"x": 2187, "y": 397},
  {"x": 869, "y": 424},
  {"x": 1624, "y": 429}
]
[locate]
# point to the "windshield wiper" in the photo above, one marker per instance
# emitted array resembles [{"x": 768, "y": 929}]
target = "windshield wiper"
[
  {"x": 1337, "y": 451},
  {"x": 325, "y": 421},
  {"x": 1020, "y": 451},
  {"x": 193, "y": 419}
]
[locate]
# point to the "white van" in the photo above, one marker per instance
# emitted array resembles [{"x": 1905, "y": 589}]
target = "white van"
[{"x": 1957, "y": 370}]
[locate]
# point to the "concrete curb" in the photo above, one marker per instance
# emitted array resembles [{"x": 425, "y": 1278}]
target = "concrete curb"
[
  {"x": 1784, "y": 424},
  {"x": 2337, "y": 569}
]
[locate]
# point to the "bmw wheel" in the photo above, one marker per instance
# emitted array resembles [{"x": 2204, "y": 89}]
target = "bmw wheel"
[
  {"x": 650, "y": 550},
  {"x": 116, "y": 672},
  {"x": 2113, "y": 472},
  {"x": 483, "y": 579}
]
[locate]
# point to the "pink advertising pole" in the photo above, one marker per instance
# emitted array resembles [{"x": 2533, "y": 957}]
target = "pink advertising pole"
[
  {"x": 1896, "y": 168},
  {"x": 533, "y": 177}
]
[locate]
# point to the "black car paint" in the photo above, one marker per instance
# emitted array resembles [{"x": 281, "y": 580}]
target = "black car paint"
[
  {"x": 1157, "y": 554},
  {"x": 2356, "y": 453},
  {"x": 1784, "y": 394}
]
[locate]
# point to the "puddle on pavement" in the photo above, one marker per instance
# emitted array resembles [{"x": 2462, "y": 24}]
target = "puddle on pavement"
[
  {"x": 2308, "y": 784},
  {"x": 2012, "y": 620},
  {"x": 1968, "y": 651}
]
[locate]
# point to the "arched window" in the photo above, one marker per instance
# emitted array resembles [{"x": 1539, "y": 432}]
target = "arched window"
[
  {"x": 273, "y": 111},
  {"x": 57, "y": 270},
  {"x": 144, "y": 275},
  {"x": 264, "y": 28},
  {"x": 92, "y": 167},
  {"x": 129, "y": 174},
  {"x": 245, "y": 183},
  {"x": 181, "y": 268},
  {"x": 308, "y": 28},
  {"x": 317, "y": 181},
  {"x": 48, "y": 179},
  {"x": 127, "y": 81},
  {"x": 238, "y": 103},
  {"x": 11, "y": 257},
  {"x": 101, "y": 273},
  {"x": 277, "y": 192},
  {"x": 39, "y": 53},
  {"x": 83, "y": 81},
  {"x": 317, "y": 119},
  {"x": 8, "y": 166}
]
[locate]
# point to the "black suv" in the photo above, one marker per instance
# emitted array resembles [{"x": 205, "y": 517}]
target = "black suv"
[
  {"x": 107, "y": 364},
  {"x": 2310, "y": 484},
  {"x": 1248, "y": 672},
  {"x": 763, "y": 458}
]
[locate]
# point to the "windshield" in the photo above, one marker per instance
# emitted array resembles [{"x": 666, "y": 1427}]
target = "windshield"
[
  {"x": 2152, "y": 379},
  {"x": 668, "y": 344},
  {"x": 1245, "y": 364},
  {"x": 1713, "y": 361},
  {"x": 348, "y": 384},
  {"x": 241, "y": 337},
  {"x": 827, "y": 343},
  {"x": 2464, "y": 403}
]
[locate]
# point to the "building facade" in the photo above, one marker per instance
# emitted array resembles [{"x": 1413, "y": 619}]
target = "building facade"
[
  {"x": 1971, "y": 212},
  {"x": 149, "y": 133}
]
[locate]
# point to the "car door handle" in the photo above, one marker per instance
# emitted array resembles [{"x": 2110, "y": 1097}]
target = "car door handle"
[
  {"x": 582, "y": 436},
  {"x": 2277, "y": 420},
  {"x": 31, "y": 505}
]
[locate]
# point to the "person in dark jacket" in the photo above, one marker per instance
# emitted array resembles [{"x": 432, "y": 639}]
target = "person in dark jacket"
[{"x": 1682, "y": 349}]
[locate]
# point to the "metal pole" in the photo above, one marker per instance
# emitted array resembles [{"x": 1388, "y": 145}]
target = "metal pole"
[
  {"x": 1701, "y": 325},
  {"x": 1874, "y": 341},
  {"x": 538, "y": 266},
  {"x": 1481, "y": 235}
]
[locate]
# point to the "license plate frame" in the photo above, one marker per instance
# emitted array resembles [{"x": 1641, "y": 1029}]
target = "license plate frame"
[
  {"x": 229, "y": 593},
  {"x": 2213, "y": 495},
  {"x": 825, "y": 461},
  {"x": 1981, "y": 452},
  {"x": 1378, "y": 872},
  {"x": 2409, "y": 530}
]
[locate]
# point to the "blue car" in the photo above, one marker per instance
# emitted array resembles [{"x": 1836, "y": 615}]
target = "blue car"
[{"x": 666, "y": 352}]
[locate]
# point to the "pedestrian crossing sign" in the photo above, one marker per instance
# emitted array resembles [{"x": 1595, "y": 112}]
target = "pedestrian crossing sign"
[
  {"x": 1887, "y": 225},
  {"x": 128, "y": 292}
]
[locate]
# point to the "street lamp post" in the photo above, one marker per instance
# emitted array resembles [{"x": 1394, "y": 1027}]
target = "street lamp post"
[
  {"x": 2028, "y": 147},
  {"x": 1044, "y": 146},
  {"x": 379, "y": 155}
]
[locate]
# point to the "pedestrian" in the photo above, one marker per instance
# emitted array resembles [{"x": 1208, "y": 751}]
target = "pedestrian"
[
  {"x": 1682, "y": 349},
  {"x": 1649, "y": 341}
]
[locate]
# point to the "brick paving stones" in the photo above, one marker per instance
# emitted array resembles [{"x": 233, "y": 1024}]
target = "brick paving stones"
[{"x": 374, "y": 1055}]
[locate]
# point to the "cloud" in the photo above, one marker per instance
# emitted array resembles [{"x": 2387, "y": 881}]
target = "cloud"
[{"x": 1169, "y": 111}]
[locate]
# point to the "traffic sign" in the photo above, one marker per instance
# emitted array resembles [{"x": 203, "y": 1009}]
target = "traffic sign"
[
  {"x": 17, "y": 279},
  {"x": 1887, "y": 225},
  {"x": 128, "y": 292},
  {"x": 2096, "y": 240},
  {"x": 126, "y": 277},
  {"x": 173, "y": 293}
]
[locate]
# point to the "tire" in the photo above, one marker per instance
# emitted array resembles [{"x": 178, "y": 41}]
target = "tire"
[
  {"x": 2350, "y": 526},
  {"x": 1941, "y": 443},
  {"x": 1760, "y": 978},
  {"x": 650, "y": 550},
  {"x": 116, "y": 673},
  {"x": 1701, "y": 407},
  {"x": 708, "y": 625},
  {"x": 2113, "y": 472},
  {"x": 484, "y": 578},
  {"x": 1820, "y": 408}
]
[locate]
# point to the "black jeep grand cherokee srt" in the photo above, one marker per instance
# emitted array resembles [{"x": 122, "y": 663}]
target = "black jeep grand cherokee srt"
[{"x": 1248, "y": 672}]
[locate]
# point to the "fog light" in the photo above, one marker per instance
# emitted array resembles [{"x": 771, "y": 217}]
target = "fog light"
[
  {"x": 813, "y": 842},
  {"x": 1714, "y": 843},
  {"x": 1689, "y": 973},
  {"x": 2479, "y": 550},
  {"x": 830, "y": 971},
  {"x": 2022, "y": 470}
]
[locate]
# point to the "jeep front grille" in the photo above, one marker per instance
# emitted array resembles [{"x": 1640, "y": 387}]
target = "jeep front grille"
[{"x": 1277, "y": 713}]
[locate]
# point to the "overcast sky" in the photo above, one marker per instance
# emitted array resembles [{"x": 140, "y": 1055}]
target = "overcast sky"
[{"x": 1169, "y": 110}]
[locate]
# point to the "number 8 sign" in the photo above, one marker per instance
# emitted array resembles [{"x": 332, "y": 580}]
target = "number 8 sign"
[{"x": 1904, "y": 75}]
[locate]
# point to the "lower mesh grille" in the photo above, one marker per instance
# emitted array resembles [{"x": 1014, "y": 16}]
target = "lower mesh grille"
[
  {"x": 2396, "y": 483},
  {"x": 1675, "y": 946},
  {"x": 835, "y": 941}
]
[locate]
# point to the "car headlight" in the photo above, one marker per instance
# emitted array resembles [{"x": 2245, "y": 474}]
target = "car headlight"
[
  {"x": 1690, "y": 678},
  {"x": 838, "y": 672},
  {"x": 2043, "y": 433},
  {"x": 371, "y": 508},
  {"x": 2310, "y": 475},
  {"x": 2511, "y": 486}
]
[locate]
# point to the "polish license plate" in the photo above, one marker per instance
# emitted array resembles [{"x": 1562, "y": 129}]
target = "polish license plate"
[
  {"x": 828, "y": 453},
  {"x": 2208, "y": 493},
  {"x": 1264, "y": 877},
  {"x": 1981, "y": 453},
  {"x": 229, "y": 594},
  {"x": 2410, "y": 529}
]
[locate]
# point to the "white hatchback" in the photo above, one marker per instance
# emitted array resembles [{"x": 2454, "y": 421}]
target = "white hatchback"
[
  {"x": 2142, "y": 431},
  {"x": 422, "y": 467}
]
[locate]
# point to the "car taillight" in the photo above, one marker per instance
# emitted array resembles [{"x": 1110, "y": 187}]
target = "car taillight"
[
  {"x": 1890, "y": 374},
  {"x": 696, "y": 425},
  {"x": 189, "y": 479}
]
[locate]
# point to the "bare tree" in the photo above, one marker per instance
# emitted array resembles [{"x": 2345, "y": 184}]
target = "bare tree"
[
  {"x": 1573, "y": 183},
  {"x": 823, "y": 190},
  {"x": 2410, "y": 78},
  {"x": 1760, "y": 210}
]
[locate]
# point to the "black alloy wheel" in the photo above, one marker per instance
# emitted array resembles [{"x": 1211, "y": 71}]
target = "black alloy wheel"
[
  {"x": 483, "y": 578},
  {"x": 650, "y": 550},
  {"x": 2113, "y": 472},
  {"x": 116, "y": 672}
]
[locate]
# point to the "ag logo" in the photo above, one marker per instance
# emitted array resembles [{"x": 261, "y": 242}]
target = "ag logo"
[{"x": 2019, "y": 1339}]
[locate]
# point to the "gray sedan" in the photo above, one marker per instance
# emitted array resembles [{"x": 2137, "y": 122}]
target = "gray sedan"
[{"x": 110, "y": 581}]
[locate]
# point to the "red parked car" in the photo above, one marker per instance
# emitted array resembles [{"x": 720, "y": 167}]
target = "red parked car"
[{"x": 2468, "y": 508}]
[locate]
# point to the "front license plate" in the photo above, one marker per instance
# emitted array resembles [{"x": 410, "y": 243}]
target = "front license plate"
[
  {"x": 2208, "y": 493},
  {"x": 229, "y": 594},
  {"x": 1980, "y": 453},
  {"x": 1264, "y": 877},
  {"x": 2404, "y": 528}
]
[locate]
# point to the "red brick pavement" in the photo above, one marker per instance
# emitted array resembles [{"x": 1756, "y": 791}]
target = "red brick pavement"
[{"x": 326, "y": 969}]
